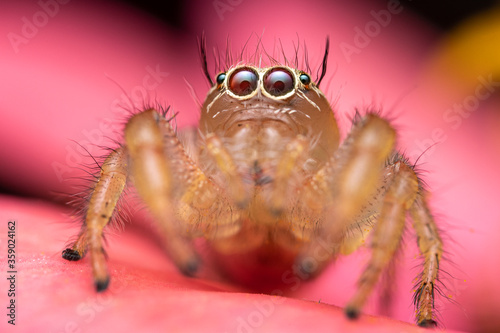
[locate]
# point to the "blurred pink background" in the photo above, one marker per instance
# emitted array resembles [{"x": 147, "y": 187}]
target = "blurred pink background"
[{"x": 64, "y": 76}]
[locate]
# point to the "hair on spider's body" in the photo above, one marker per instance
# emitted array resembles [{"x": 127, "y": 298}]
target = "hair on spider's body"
[
  {"x": 84, "y": 186},
  {"x": 269, "y": 183},
  {"x": 79, "y": 201},
  {"x": 224, "y": 63}
]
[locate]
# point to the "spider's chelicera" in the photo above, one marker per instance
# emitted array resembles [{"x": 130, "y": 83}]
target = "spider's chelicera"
[{"x": 271, "y": 184}]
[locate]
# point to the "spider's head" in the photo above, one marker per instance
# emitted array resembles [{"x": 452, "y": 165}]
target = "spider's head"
[
  {"x": 268, "y": 106},
  {"x": 280, "y": 94}
]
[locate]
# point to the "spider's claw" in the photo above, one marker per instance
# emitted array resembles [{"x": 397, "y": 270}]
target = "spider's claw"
[
  {"x": 427, "y": 323},
  {"x": 190, "y": 267},
  {"x": 242, "y": 202},
  {"x": 276, "y": 211},
  {"x": 101, "y": 284},
  {"x": 71, "y": 255},
  {"x": 313, "y": 258},
  {"x": 352, "y": 312},
  {"x": 307, "y": 266},
  {"x": 183, "y": 255}
]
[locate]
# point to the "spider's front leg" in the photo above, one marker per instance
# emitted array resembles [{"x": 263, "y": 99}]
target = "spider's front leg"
[
  {"x": 343, "y": 190},
  {"x": 176, "y": 191},
  {"x": 403, "y": 194},
  {"x": 153, "y": 158},
  {"x": 358, "y": 185}
]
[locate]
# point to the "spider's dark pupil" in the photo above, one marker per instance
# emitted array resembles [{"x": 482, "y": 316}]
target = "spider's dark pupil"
[
  {"x": 220, "y": 78},
  {"x": 279, "y": 85},
  {"x": 305, "y": 79},
  {"x": 244, "y": 87}
]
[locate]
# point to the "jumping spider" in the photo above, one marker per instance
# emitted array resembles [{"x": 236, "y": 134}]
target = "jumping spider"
[{"x": 269, "y": 177}]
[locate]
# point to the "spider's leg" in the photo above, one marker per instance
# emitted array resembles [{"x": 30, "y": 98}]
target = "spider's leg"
[
  {"x": 431, "y": 248},
  {"x": 153, "y": 172},
  {"x": 105, "y": 195},
  {"x": 356, "y": 169},
  {"x": 346, "y": 185},
  {"x": 183, "y": 200},
  {"x": 387, "y": 233}
]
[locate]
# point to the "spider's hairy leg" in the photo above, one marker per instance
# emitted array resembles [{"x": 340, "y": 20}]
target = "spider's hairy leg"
[
  {"x": 357, "y": 168},
  {"x": 105, "y": 195},
  {"x": 152, "y": 173},
  {"x": 347, "y": 184},
  {"x": 399, "y": 197},
  {"x": 431, "y": 248}
]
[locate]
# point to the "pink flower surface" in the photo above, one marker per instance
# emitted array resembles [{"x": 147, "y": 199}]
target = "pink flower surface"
[{"x": 68, "y": 71}]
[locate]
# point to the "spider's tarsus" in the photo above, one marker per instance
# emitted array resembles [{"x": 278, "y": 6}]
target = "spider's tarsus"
[
  {"x": 71, "y": 255},
  {"x": 427, "y": 323},
  {"x": 101, "y": 285},
  {"x": 352, "y": 313},
  {"x": 190, "y": 267},
  {"x": 276, "y": 212},
  {"x": 307, "y": 266},
  {"x": 242, "y": 204}
]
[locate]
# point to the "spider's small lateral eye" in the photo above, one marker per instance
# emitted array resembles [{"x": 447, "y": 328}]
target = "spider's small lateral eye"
[
  {"x": 305, "y": 79},
  {"x": 220, "y": 78},
  {"x": 278, "y": 82},
  {"x": 243, "y": 82}
]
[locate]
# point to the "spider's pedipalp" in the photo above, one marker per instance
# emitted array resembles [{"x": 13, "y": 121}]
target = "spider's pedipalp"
[
  {"x": 225, "y": 163},
  {"x": 288, "y": 164}
]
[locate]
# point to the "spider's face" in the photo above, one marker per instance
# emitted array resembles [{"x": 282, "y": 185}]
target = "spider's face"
[{"x": 282, "y": 96}]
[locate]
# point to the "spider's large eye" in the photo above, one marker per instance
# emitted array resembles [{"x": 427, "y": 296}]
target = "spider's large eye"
[
  {"x": 220, "y": 78},
  {"x": 243, "y": 82},
  {"x": 278, "y": 82}
]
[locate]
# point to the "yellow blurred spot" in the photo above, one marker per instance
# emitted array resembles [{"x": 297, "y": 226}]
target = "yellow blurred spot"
[{"x": 470, "y": 50}]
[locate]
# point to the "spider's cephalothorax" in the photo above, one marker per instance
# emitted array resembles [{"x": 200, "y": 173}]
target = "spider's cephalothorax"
[{"x": 268, "y": 182}]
